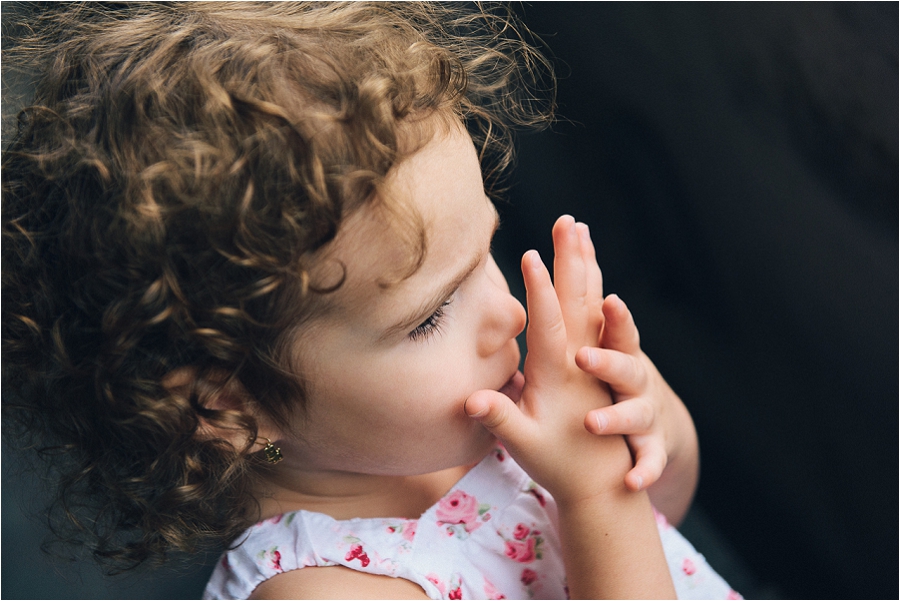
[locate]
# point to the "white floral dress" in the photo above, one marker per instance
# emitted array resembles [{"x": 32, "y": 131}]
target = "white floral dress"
[{"x": 493, "y": 536}]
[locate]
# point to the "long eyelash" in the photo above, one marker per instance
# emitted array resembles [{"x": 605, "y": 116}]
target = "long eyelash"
[{"x": 430, "y": 326}]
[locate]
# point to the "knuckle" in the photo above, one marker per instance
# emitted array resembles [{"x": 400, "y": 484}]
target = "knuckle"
[
  {"x": 637, "y": 372},
  {"x": 556, "y": 327},
  {"x": 626, "y": 367},
  {"x": 496, "y": 417},
  {"x": 645, "y": 414},
  {"x": 621, "y": 419}
]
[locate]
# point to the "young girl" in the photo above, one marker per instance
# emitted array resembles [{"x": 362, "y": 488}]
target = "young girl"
[{"x": 247, "y": 279}]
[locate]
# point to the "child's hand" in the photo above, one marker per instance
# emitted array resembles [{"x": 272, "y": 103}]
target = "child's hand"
[
  {"x": 544, "y": 430},
  {"x": 655, "y": 422},
  {"x": 610, "y": 544}
]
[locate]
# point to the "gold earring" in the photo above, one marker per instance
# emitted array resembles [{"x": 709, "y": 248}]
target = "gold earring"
[{"x": 273, "y": 453}]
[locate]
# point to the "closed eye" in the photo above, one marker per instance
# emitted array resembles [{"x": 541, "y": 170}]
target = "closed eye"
[{"x": 432, "y": 325}]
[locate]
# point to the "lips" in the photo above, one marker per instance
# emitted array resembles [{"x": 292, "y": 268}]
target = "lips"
[{"x": 513, "y": 387}]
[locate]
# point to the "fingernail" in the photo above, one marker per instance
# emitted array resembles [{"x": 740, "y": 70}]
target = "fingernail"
[
  {"x": 602, "y": 421},
  {"x": 592, "y": 357},
  {"x": 640, "y": 483},
  {"x": 534, "y": 260},
  {"x": 584, "y": 232},
  {"x": 478, "y": 413}
]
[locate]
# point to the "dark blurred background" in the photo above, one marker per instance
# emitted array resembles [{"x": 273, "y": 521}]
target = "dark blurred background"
[{"x": 738, "y": 167}]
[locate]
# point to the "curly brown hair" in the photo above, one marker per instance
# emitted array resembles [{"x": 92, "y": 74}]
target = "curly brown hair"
[{"x": 163, "y": 200}]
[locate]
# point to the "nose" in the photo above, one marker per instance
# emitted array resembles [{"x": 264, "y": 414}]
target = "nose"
[{"x": 504, "y": 316}]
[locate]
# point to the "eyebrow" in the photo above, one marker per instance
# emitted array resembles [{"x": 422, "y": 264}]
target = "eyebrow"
[{"x": 427, "y": 308}]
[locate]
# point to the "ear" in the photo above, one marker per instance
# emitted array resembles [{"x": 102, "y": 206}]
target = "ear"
[{"x": 235, "y": 412}]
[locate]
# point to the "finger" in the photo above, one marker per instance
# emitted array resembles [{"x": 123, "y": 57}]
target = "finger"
[
  {"x": 649, "y": 462},
  {"x": 593, "y": 280},
  {"x": 570, "y": 278},
  {"x": 624, "y": 373},
  {"x": 546, "y": 334},
  {"x": 500, "y": 415},
  {"x": 620, "y": 332},
  {"x": 634, "y": 416}
]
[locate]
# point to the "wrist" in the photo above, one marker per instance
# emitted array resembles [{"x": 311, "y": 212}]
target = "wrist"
[
  {"x": 685, "y": 446},
  {"x": 601, "y": 479},
  {"x": 673, "y": 493},
  {"x": 612, "y": 549}
]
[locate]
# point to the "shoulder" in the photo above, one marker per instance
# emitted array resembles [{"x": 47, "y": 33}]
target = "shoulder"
[{"x": 336, "y": 582}]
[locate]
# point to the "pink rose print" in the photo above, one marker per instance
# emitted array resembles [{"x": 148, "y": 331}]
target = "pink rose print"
[
  {"x": 455, "y": 591},
  {"x": 538, "y": 494},
  {"x": 528, "y": 576},
  {"x": 733, "y": 594},
  {"x": 459, "y": 508},
  {"x": 356, "y": 552},
  {"x": 688, "y": 567},
  {"x": 409, "y": 532},
  {"x": 270, "y": 557},
  {"x": 521, "y": 531},
  {"x": 523, "y": 552},
  {"x": 433, "y": 579},
  {"x": 491, "y": 592}
]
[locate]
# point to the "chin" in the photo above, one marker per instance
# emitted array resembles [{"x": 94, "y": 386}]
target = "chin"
[
  {"x": 480, "y": 445},
  {"x": 484, "y": 446}
]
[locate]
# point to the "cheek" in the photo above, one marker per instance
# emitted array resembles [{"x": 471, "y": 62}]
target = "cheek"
[
  {"x": 420, "y": 383},
  {"x": 428, "y": 380},
  {"x": 401, "y": 411},
  {"x": 410, "y": 402}
]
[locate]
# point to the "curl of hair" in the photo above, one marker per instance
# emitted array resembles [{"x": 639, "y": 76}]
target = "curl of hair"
[{"x": 163, "y": 198}]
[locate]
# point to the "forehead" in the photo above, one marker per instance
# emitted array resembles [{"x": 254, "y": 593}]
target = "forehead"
[{"x": 437, "y": 192}]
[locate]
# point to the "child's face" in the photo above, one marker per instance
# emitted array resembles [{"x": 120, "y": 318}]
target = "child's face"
[{"x": 388, "y": 368}]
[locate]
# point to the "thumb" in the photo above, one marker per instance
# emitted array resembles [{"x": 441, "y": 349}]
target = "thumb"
[{"x": 496, "y": 412}]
